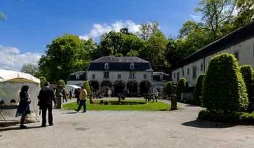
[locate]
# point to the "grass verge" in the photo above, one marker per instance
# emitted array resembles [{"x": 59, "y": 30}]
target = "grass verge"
[{"x": 138, "y": 105}]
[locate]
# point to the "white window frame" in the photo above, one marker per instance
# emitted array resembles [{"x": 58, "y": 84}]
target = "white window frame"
[
  {"x": 77, "y": 77},
  {"x": 132, "y": 66},
  {"x": 106, "y": 66}
]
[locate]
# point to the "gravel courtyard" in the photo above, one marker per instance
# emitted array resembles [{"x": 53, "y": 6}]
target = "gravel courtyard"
[{"x": 128, "y": 129}]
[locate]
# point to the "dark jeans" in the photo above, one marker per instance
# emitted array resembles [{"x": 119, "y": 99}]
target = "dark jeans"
[
  {"x": 82, "y": 102},
  {"x": 50, "y": 116},
  {"x": 22, "y": 120}
]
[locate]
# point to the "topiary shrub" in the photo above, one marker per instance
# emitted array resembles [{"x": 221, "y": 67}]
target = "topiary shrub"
[
  {"x": 88, "y": 89},
  {"x": 180, "y": 88},
  {"x": 43, "y": 81},
  {"x": 169, "y": 88},
  {"x": 247, "y": 73},
  {"x": 61, "y": 83},
  {"x": 224, "y": 88},
  {"x": 198, "y": 91}
]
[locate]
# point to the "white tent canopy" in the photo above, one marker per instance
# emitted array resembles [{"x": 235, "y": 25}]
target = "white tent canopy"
[
  {"x": 8, "y": 75},
  {"x": 10, "y": 86}
]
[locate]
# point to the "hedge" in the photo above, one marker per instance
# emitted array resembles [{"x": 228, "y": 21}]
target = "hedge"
[
  {"x": 88, "y": 89},
  {"x": 198, "y": 91},
  {"x": 169, "y": 88},
  {"x": 180, "y": 87},
  {"x": 224, "y": 88},
  {"x": 247, "y": 73},
  {"x": 238, "y": 117}
]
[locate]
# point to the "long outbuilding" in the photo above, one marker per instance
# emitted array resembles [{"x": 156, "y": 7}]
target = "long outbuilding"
[{"x": 239, "y": 42}]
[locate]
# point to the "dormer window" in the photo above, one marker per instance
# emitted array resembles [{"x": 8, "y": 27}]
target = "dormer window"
[
  {"x": 132, "y": 66},
  {"x": 77, "y": 77},
  {"x": 161, "y": 77},
  {"x": 106, "y": 66}
]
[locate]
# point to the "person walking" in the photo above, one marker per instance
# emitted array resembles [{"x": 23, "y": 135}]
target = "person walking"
[
  {"x": 82, "y": 98},
  {"x": 64, "y": 93},
  {"x": 23, "y": 108},
  {"x": 46, "y": 96}
]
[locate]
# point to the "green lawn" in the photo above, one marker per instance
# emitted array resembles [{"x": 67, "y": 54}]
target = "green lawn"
[{"x": 139, "y": 105}]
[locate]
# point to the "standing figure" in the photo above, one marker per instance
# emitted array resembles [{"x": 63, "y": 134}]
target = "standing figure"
[
  {"x": 82, "y": 98},
  {"x": 70, "y": 95},
  {"x": 23, "y": 108},
  {"x": 64, "y": 95},
  {"x": 46, "y": 96}
]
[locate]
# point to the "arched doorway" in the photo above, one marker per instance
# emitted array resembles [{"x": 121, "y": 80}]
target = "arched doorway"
[
  {"x": 105, "y": 87},
  {"x": 119, "y": 87},
  {"x": 144, "y": 87},
  {"x": 94, "y": 85},
  {"x": 132, "y": 87}
]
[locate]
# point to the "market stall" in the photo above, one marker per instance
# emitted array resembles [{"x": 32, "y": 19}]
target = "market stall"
[{"x": 10, "y": 86}]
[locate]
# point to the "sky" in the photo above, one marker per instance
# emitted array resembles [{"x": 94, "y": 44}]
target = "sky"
[{"x": 30, "y": 25}]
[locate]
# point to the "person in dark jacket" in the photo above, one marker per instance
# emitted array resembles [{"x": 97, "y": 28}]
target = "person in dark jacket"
[
  {"x": 23, "y": 108},
  {"x": 46, "y": 96}
]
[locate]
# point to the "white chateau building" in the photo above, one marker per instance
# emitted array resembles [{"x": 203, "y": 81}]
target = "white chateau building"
[
  {"x": 130, "y": 75},
  {"x": 240, "y": 43}
]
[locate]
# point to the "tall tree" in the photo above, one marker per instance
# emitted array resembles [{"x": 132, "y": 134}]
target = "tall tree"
[
  {"x": 119, "y": 43},
  {"x": 65, "y": 55},
  {"x": 30, "y": 69},
  {"x": 154, "y": 51},
  {"x": 147, "y": 29},
  {"x": 215, "y": 13},
  {"x": 245, "y": 13}
]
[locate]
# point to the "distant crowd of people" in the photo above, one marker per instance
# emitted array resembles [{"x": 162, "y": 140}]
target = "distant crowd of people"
[{"x": 46, "y": 98}]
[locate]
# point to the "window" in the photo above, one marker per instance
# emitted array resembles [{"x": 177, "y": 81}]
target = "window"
[
  {"x": 188, "y": 70},
  {"x": 183, "y": 72},
  {"x": 132, "y": 75},
  {"x": 194, "y": 72},
  {"x": 119, "y": 76},
  {"x": 145, "y": 76},
  {"x": 174, "y": 75},
  {"x": 161, "y": 77},
  {"x": 132, "y": 66},
  {"x": 93, "y": 76},
  {"x": 77, "y": 77},
  {"x": 106, "y": 74},
  {"x": 106, "y": 66},
  {"x": 201, "y": 66},
  {"x": 178, "y": 76},
  {"x": 237, "y": 55}
]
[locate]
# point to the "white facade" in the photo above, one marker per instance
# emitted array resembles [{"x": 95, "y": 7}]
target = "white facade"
[
  {"x": 191, "y": 71},
  {"x": 124, "y": 76},
  {"x": 119, "y": 75}
]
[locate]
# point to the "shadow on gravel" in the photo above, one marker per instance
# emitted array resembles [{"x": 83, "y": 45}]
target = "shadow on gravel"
[
  {"x": 17, "y": 128},
  {"x": 207, "y": 124},
  {"x": 74, "y": 112}
]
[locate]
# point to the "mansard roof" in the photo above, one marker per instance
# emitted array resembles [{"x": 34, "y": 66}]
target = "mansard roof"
[
  {"x": 119, "y": 64},
  {"x": 113, "y": 59},
  {"x": 157, "y": 76},
  {"x": 73, "y": 76}
]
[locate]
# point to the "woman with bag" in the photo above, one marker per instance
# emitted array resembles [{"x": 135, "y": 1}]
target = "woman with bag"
[{"x": 23, "y": 108}]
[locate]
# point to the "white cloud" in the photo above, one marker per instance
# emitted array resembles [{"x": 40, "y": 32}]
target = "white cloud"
[
  {"x": 99, "y": 29},
  {"x": 196, "y": 18},
  {"x": 12, "y": 59}
]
